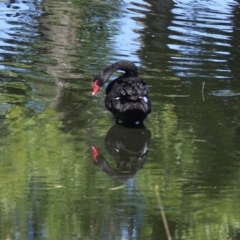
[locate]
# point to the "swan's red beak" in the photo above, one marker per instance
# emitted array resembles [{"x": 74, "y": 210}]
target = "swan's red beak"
[
  {"x": 96, "y": 88},
  {"x": 95, "y": 153}
]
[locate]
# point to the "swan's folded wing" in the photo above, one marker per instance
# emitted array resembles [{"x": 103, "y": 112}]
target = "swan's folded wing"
[{"x": 134, "y": 89}]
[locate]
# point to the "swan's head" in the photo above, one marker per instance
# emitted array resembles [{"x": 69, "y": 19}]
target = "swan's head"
[{"x": 97, "y": 83}]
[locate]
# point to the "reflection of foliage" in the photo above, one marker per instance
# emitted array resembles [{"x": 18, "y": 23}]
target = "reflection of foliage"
[
  {"x": 31, "y": 167},
  {"x": 190, "y": 189},
  {"x": 50, "y": 188},
  {"x": 50, "y": 174},
  {"x": 96, "y": 29},
  {"x": 13, "y": 92}
]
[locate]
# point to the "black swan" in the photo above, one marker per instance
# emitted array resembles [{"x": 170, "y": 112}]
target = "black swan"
[{"x": 127, "y": 95}]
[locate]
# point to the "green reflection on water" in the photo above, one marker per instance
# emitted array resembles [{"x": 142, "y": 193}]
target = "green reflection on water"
[{"x": 49, "y": 187}]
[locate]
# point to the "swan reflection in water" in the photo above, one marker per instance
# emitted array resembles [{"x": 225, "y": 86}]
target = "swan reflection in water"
[{"x": 129, "y": 148}]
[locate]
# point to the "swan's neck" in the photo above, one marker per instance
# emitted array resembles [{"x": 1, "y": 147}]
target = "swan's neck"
[{"x": 129, "y": 68}]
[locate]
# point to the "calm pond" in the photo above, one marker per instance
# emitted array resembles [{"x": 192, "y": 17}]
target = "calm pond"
[{"x": 178, "y": 178}]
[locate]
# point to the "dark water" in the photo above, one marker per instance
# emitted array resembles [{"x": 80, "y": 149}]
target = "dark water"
[{"x": 179, "y": 178}]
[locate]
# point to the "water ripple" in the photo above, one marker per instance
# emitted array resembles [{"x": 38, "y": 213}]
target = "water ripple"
[
  {"x": 19, "y": 21},
  {"x": 201, "y": 32}
]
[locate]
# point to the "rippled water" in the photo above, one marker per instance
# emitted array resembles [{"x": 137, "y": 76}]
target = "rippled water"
[{"x": 175, "y": 179}]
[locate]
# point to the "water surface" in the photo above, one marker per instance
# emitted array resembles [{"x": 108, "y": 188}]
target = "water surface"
[{"x": 177, "y": 178}]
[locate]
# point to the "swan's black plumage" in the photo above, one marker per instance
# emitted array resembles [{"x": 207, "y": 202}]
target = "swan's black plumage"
[{"x": 127, "y": 95}]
